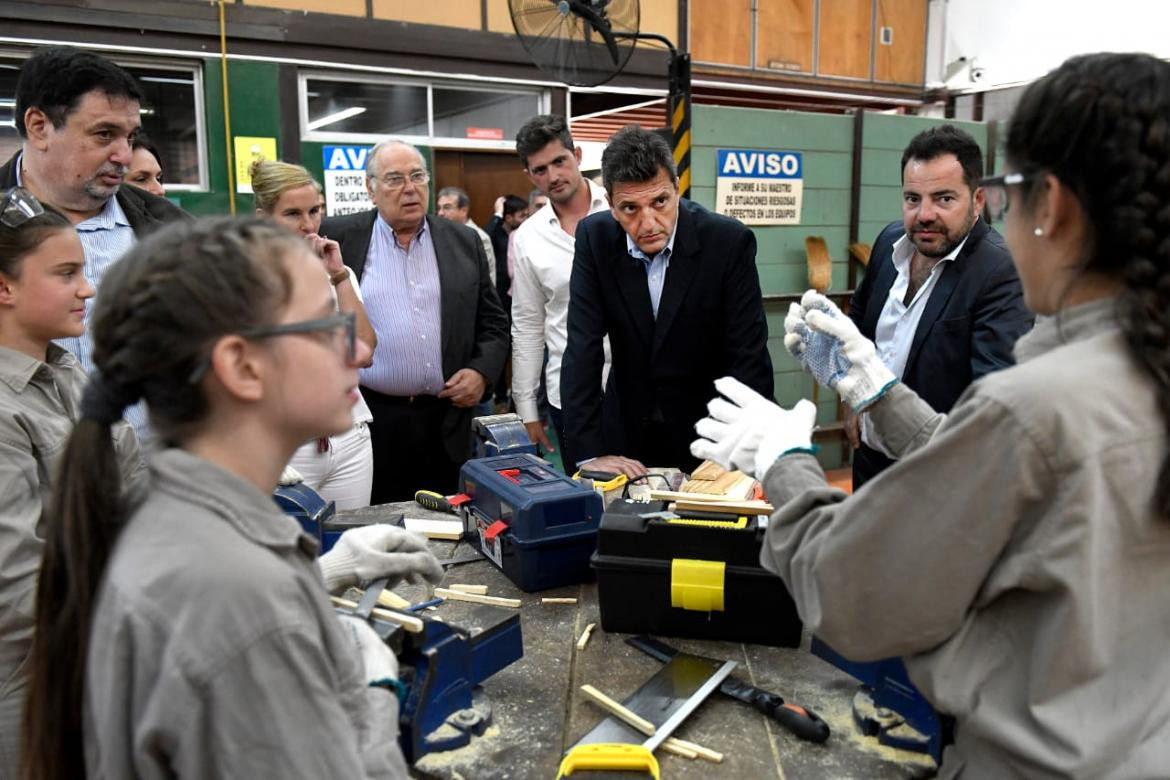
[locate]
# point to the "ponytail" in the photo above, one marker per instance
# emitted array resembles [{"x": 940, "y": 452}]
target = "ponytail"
[
  {"x": 162, "y": 307},
  {"x": 1100, "y": 123}
]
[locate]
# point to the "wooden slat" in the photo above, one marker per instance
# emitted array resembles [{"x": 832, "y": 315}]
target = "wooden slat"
[
  {"x": 845, "y": 37},
  {"x": 721, "y": 31},
  {"x": 784, "y": 33},
  {"x": 903, "y": 60}
]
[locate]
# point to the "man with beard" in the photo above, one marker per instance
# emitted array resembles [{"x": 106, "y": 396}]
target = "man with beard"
[
  {"x": 941, "y": 299},
  {"x": 77, "y": 115}
]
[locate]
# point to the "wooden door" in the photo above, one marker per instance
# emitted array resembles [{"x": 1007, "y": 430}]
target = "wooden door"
[{"x": 484, "y": 175}]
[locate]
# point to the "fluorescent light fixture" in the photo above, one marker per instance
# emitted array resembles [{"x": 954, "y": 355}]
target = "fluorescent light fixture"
[
  {"x": 8, "y": 123},
  {"x": 329, "y": 119},
  {"x": 7, "y": 103},
  {"x": 146, "y": 112},
  {"x": 166, "y": 80}
]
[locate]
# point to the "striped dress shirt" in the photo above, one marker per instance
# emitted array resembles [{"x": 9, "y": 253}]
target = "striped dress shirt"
[{"x": 401, "y": 291}]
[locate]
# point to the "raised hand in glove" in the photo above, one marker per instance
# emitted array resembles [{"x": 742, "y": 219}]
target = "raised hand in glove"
[
  {"x": 829, "y": 346},
  {"x": 375, "y": 551},
  {"x": 745, "y": 430}
]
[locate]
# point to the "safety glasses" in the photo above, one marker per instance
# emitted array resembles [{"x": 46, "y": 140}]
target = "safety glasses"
[
  {"x": 343, "y": 324},
  {"x": 19, "y": 206}
]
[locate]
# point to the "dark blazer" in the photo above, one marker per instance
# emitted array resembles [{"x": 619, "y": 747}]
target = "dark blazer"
[
  {"x": 499, "y": 235},
  {"x": 710, "y": 324},
  {"x": 145, "y": 212},
  {"x": 474, "y": 325},
  {"x": 969, "y": 326}
]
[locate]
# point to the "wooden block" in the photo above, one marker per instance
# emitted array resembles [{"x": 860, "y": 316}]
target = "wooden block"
[
  {"x": 479, "y": 590},
  {"x": 708, "y": 469},
  {"x": 670, "y": 745},
  {"x": 860, "y": 252},
  {"x": 820, "y": 263},
  {"x": 618, "y": 711},
  {"x": 389, "y": 598},
  {"x": 409, "y": 622},
  {"x": 725, "y": 507},
  {"x": 713, "y": 756},
  {"x": 475, "y": 598},
  {"x": 448, "y": 530},
  {"x": 584, "y": 640},
  {"x": 558, "y": 601}
]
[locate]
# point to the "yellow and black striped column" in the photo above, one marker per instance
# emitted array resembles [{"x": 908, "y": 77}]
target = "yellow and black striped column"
[{"x": 680, "y": 119}]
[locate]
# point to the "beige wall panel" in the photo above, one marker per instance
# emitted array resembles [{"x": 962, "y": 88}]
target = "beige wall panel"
[
  {"x": 903, "y": 60},
  {"x": 448, "y": 13},
  {"x": 344, "y": 7},
  {"x": 661, "y": 16},
  {"x": 721, "y": 31},
  {"x": 846, "y": 35},
  {"x": 499, "y": 18},
  {"x": 784, "y": 34}
]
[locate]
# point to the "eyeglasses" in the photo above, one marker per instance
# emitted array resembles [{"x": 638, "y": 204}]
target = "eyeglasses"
[
  {"x": 995, "y": 193},
  {"x": 19, "y": 206},
  {"x": 394, "y": 181},
  {"x": 344, "y": 323}
]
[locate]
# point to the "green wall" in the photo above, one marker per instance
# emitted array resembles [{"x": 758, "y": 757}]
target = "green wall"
[{"x": 826, "y": 143}]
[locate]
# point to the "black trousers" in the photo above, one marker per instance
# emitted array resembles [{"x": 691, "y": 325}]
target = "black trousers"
[
  {"x": 409, "y": 455},
  {"x": 568, "y": 457}
]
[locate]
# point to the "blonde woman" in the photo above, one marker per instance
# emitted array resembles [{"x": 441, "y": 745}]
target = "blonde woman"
[{"x": 341, "y": 467}]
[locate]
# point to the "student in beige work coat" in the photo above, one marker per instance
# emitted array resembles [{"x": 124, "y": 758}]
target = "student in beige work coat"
[
  {"x": 1018, "y": 555},
  {"x": 43, "y": 295},
  {"x": 194, "y": 637}
]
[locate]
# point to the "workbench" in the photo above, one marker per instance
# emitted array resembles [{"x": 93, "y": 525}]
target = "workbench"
[{"x": 538, "y": 710}]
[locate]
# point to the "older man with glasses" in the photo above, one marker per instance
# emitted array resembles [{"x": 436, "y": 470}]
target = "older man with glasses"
[{"x": 441, "y": 330}]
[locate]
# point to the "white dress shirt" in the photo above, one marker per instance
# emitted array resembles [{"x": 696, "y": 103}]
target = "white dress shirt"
[
  {"x": 898, "y": 321},
  {"x": 543, "y": 260}
]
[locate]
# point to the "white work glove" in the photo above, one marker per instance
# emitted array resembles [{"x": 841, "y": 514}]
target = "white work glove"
[
  {"x": 375, "y": 551},
  {"x": 378, "y": 659},
  {"x": 290, "y": 476},
  {"x": 829, "y": 346},
  {"x": 748, "y": 432}
]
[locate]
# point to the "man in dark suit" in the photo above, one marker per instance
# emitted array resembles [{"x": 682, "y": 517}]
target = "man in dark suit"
[
  {"x": 675, "y": 287},
  {"x": 441, "y": 330},
  {"x": 941, "y": 299}
]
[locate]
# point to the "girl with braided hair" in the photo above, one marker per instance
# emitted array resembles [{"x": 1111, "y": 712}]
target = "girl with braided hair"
[
  {"x": 187, "y": 632},
  {"x": 43, "y": 295},
  {"x": 1018, "y": 554},
  {"x": 340, "y": 468}
]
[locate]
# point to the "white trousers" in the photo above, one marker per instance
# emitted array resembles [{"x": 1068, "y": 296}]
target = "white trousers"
[{"x": 344, "y": 474}]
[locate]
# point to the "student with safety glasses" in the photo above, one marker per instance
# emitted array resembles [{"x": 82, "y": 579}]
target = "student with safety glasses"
[
  {"x": 1018, "y": 554},
  {"x": 195, "y": 636}
]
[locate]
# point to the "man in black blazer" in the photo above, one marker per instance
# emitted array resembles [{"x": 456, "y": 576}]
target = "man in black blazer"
[
  {"x": 675, "y": 287},
  {"x": 442, "y": 334},
  {"x": 941, "y": 299}
]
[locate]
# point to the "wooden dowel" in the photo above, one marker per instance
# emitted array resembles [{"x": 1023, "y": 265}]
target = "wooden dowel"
[
  {"x": 617, "y": 710},
  {"x": 389, "y": 598},
  {"x": 474, "y": 598},
  {"x": 558, "y": 601},
  {"x": 671, "y": 746},
  {"x": 584, "y": 640},
  {"x": 409, "y": 622},
  {"x": 713, "y": 756},
  {"x": 479, "y": 590}
]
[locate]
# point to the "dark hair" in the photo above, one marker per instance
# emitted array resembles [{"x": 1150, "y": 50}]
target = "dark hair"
[
  {"x": 162, "y": 307},
  {"x": 947, "y": 139},
  {"x": 55, "y": 79},
  {"x": 512, "y": 204},
  {"x": 461, "y": 199},
  {"x": 17, "y": 242},
  {"x": 1100, "y": 123},
  {"x": 539, "y": 131},
  {"x": 143, "y": 141},
  {"x": 635, "y": 155}
]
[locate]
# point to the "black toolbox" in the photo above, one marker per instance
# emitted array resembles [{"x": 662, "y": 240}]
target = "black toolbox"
[{"x": 697, "y": 577}]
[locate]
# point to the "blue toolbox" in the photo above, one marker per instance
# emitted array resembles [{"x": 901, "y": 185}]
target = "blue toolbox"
[{"x": 533, "y": 522}]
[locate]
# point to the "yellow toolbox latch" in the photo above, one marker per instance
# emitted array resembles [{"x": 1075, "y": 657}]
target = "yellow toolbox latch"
[{"x": 697, "y": 585}]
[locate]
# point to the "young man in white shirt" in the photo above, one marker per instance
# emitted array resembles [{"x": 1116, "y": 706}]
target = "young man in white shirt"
[{"x": 543, "y": 259}]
